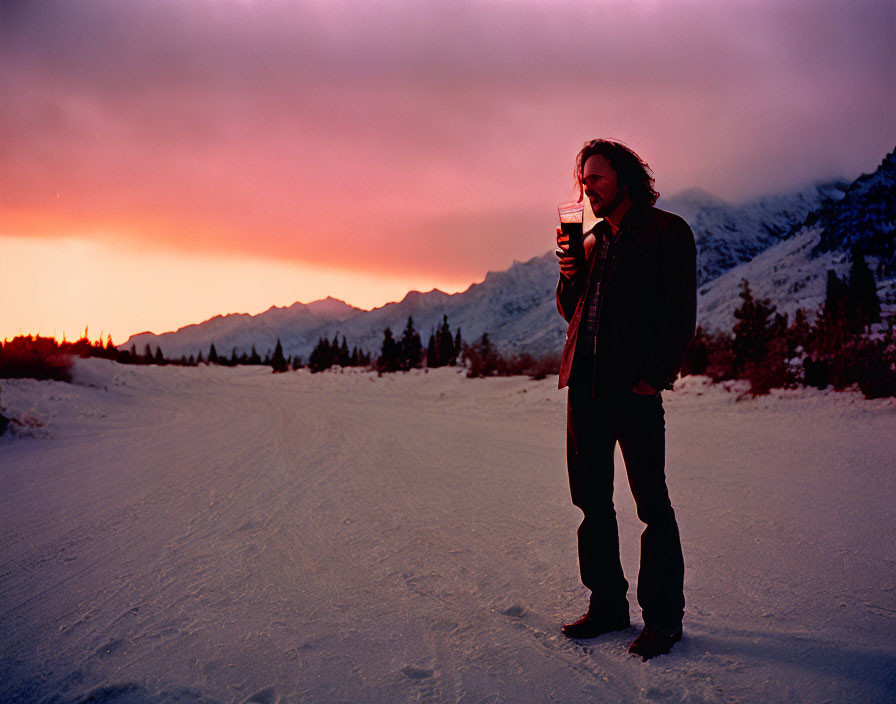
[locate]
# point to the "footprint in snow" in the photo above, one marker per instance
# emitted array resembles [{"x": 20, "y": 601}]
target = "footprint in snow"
[
  {"x": 416, "y": 673},
  {"x": 268, "y": 695},
  {"x": 514, "y": 611}
]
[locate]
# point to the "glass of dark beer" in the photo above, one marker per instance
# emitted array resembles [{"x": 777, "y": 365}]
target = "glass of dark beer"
[{"x": 571, "y": 217}]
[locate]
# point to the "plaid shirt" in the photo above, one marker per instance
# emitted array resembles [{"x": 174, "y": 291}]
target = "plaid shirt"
[{"x": 586, "y": 345}]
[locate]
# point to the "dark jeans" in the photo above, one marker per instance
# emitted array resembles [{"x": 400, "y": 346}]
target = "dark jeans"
[{"x": 637, "y": 423}]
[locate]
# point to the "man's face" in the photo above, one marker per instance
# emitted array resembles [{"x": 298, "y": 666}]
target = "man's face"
[{"x": 601, "y": 186}]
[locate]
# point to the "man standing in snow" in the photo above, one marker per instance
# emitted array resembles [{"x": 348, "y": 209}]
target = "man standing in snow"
[{"x": 631, "y": 308}]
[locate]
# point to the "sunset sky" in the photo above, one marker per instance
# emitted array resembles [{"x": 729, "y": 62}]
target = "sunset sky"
[{"x": 162, "y": 161}]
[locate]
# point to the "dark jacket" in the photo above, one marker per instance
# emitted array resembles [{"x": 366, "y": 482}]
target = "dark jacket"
[{"x": 649, "y": 307}]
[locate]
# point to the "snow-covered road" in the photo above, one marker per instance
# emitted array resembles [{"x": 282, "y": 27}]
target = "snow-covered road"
[{"x": 230, "y": 535}]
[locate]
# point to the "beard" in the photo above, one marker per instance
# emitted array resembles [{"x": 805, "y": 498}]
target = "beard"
[{"x": 601, "y": 208}]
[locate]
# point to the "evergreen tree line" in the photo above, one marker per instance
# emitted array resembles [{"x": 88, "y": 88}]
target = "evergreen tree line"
[
  {"x": 839, "y": 349},
  {"x": 276, "y": 359},
  {"x": 36, "y": 357},
  {"x": 328, "y": 354},
  {"x": 443, "y": 348},
  {"x": 400, "y": 354},
  {"x": 481, "y": 358},
  {"x": 844, "y": 346}
]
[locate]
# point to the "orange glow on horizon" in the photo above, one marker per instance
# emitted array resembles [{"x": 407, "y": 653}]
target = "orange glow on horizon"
[{"x": 60, "y": 286}]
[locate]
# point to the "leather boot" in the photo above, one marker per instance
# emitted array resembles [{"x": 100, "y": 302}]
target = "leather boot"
[
  {"x": 597, "y": 621},
  {"x": 653, "y": 642}
]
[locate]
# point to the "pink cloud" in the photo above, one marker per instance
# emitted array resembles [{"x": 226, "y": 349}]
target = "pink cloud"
[{"x": 411, "y": 136}]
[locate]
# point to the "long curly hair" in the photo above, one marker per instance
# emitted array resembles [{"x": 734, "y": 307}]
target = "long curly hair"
[{"x": 632, "y": 171}]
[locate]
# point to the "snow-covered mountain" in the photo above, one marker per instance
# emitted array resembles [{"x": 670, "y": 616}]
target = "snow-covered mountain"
[
  {"x": 728, "y": 235},
  {"x": 783, "y": 244},
  {"x": 865, "y": 216},
  {"x": 515, "y": 307},
  {"x": 793, "y": 273},
  {"x": 789, "y": 273},
  {"x": 293, "y": 325}
]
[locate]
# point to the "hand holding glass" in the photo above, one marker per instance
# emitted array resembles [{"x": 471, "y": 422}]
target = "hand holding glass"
[{"x": 570, "y": 238}]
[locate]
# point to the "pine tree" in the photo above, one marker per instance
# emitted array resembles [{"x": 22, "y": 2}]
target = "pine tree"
[
  {"x": 445, "y": 345},
  {"x": 832, "y": 325},
  {"x": 321, "y": 357},
  {"x": 388, "y": 360},
  {"x": 234, "y": 360},
  {"x": 753, "y": 330},
  {"x": 199, "y": 359},
  {"x": 212, "y": 355},
  {"x": 345, "y": 358},
  {"x": 159, "y": 358},
  {"x": 862, "y": 302},
  {"x": 147, "y": 354},
  {"x": 411, "y": 349},
  {"x": 314, "y": 359},
  {"x": 254, "y": 358},
  {"x": 457, "y": 348},
  {"x": 278, "y": 361},
  {"x": 834, "y": 298},
  {"x": 432, "y": 353}
]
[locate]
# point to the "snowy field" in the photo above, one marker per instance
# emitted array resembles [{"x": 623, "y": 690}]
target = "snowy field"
[{"x": 230, "y": 535}]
